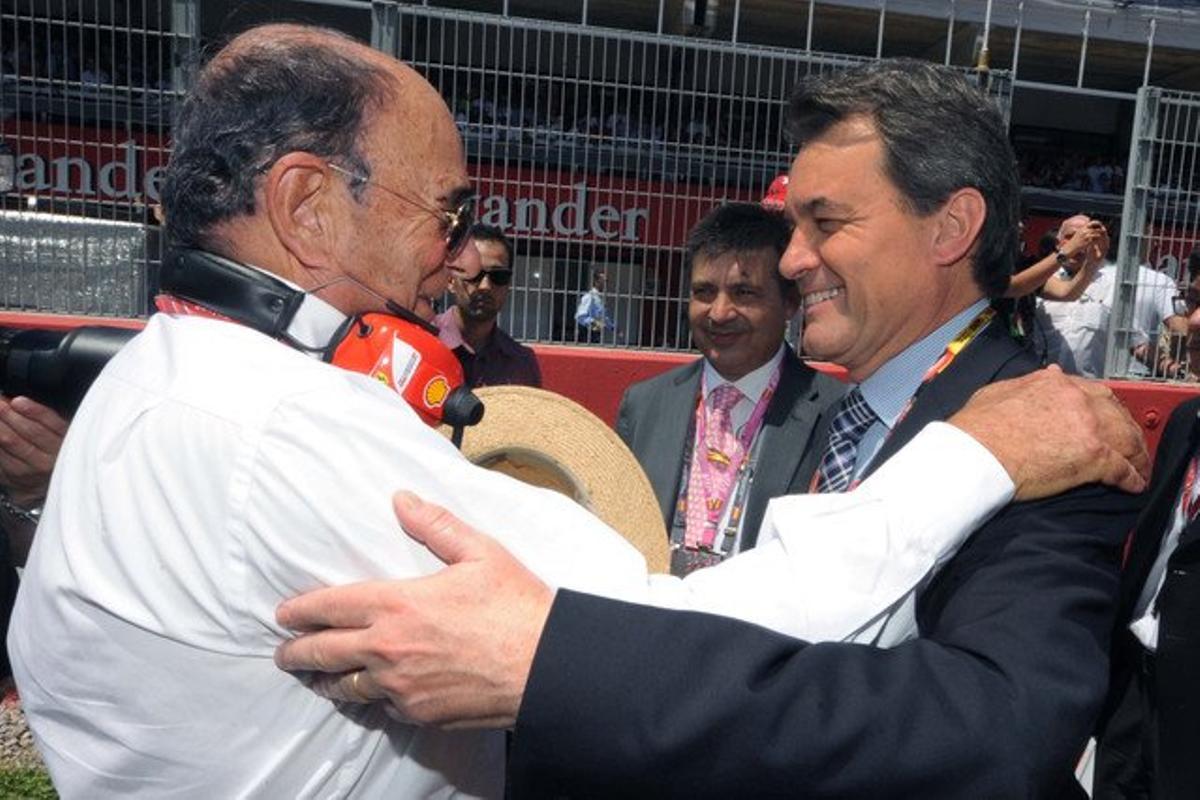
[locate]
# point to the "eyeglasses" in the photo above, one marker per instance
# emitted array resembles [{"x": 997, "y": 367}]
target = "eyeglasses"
[
  {"x": 498, "y": 277},
  {"x": 458, "y": 222}
]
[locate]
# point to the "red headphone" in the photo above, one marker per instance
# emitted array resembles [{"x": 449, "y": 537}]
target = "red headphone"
[{"x": 408, "y": 358}]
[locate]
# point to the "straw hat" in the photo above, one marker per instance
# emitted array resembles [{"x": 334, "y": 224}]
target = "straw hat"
[{"x": 546, "y": 440}]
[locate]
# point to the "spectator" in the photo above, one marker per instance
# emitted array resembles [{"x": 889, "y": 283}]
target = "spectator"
[
  {"x": 591, "y": 315},
  {"x": 489, "y": 356},
  {"x": 1082, "y": 323},
  {"x": 715, "y": 463}
]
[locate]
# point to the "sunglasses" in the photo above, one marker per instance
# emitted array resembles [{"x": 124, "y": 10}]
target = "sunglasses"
[
  {"x": 498, "y": 277},
  {"x": 457, "y": 221}
]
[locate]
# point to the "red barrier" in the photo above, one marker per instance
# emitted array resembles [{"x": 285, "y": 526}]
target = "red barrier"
[{"x": 596, "y": 378}]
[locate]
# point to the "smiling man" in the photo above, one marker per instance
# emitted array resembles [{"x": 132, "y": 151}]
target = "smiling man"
[
  {"x": 721, "y": 436},
  {"x": 904, "y": 197}
]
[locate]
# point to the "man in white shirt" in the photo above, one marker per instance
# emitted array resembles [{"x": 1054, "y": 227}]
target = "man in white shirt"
[
  {"x": 1084, "y": 322},
  {"x": 216, "y": 469},
  {"x": 904, "y": 200}
]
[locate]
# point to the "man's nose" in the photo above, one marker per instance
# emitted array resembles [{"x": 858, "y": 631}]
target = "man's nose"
[
  {"x": 467, "y": 263},
  {"x": 722, "y": 309},
  {"x": 799, "y": 258}
]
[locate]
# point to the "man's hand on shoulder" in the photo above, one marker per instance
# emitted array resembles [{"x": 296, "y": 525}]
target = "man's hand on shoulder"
[
  {"x": 1053, "y": 432},
  {"x": 453, "y": 649}
]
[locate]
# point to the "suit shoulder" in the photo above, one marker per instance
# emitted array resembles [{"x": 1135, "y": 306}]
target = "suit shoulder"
[{"x": 663, "y": 381}]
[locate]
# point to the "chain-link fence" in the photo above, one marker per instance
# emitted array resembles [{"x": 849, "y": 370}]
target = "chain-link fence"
[
  {"x": 1157, "y": 275},
  {"x": 595, "y": 150}
]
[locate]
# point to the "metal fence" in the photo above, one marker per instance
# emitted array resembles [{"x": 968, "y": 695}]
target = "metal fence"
[
  {"x": 599, "y": 149},
  {"x": 86, "y": 92},
  {"x": 1157, "y": 284},
  {"x": 592, "y": 148}
]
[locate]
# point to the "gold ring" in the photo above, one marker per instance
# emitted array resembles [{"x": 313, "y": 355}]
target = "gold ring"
[{"x": 358, "y": 695}]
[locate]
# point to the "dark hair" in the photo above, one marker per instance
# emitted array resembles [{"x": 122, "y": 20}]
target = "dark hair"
[
  {"x": 739, "y": 228},
  {"x": 490, "y": 233},
  {"x": 1193, "y": 263},
  {"x": 253, "y": 103},
  {"x": 939, "y": 134},
  {"x": 1048, "y": 243}
]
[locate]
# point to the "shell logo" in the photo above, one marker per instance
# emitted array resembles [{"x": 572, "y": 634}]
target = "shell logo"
[{"x": 436, "y": 391}]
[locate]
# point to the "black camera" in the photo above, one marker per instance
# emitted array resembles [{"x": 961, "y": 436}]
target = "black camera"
[{"x": 56, "y": 368}]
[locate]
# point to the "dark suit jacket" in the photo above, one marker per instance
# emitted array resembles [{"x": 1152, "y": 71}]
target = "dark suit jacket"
[
  {"x": 1177, "y": 662},
  {"x": 995, "y": 699},
  {"x": 656, "y": 414}
]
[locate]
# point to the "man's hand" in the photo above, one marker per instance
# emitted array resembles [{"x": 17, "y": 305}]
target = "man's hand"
[
  {"x": 452, "y": 649},
  {"x": 30, "y": 437},
  {"x": 1087, "y": 246},
  {"x": 1053, "y": 432}
]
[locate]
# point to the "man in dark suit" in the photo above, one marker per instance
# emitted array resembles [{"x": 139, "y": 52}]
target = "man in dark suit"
[
  {"x": 738, "y": 309},
  {"x": 904, "y": 198},
  {"x": 1149, "y": 735}
]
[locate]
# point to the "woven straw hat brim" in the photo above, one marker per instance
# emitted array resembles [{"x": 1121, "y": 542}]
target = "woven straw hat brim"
[{"x": 548, "y": 440}]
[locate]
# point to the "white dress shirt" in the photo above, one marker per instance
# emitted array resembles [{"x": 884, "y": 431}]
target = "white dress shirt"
[
  {"x": 1083, "y": 323},
  {"x": 212, "y": 472},
  {"x": 751, "y": 385},
  {"x": 1145, "y": 614}
]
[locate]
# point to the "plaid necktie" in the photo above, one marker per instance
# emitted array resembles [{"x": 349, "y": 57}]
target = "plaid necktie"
[{"x": 853, "y": 418}]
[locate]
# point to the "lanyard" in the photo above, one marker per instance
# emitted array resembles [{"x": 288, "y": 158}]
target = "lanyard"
[
  {"x": 956, "y": 346},
  {"x": 1188, "y": 502},
  {"x": 704, "y": 458}
]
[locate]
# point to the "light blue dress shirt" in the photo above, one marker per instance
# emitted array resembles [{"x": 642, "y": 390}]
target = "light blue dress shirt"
[{"x": 888, "y": 390}]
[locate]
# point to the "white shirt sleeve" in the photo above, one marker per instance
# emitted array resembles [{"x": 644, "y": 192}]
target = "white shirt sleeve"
[{"x": 845, "y": 567}]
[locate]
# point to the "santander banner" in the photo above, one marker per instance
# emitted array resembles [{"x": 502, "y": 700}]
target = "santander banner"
[{"x": 526, "y": 201}]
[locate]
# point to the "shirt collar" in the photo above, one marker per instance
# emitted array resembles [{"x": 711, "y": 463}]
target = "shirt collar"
[
  {"x": 751, "y": 385},
  {"x": 315, "y": 321},
  {"x": 888, "y": 389},
  {"x": 450, "y": 328}
]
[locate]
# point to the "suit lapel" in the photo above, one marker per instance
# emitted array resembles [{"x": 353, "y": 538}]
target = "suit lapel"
[
  {"x": 983, "y": 360},
  {"x": 672, "y": 417},
  {"x": 788, "y": 428},
  {"x": 1160, "y": 506}
]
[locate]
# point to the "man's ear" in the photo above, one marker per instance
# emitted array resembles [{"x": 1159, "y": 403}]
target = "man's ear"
[
  {"x": 957, "y": 227},
  {"x": 297, "y": 196}
]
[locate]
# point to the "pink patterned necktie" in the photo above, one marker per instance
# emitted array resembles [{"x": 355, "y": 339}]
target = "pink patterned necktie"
[{"x": 715, "y": 463}]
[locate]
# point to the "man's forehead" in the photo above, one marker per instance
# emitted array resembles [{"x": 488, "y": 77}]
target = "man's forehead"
[
  {"x": 491, "y": 253},
  {"x": 736, "y": 265},
  {"x": 852, "y": 140},
  {"x": 1072, "y": 224}
]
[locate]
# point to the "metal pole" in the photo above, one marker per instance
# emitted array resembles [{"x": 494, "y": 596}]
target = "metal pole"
[
  {"x": 661, "y": 3},
  {"x": 385, "y": 27},
  {"x": 185, "y": 16},
  {"x": 808, "y": 35},
  {"x": 950, "y": 30},
  {"x": 879, "y": 32},
  {"x": 1017, "y": 38},
  {"x": 737, "y": 14},
  {"x": 1149, "y": 51},
  {"x": 1087, "y": 27},
  {"x": 984, "y": 56},
  {"x": 583, "y": 18}
]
